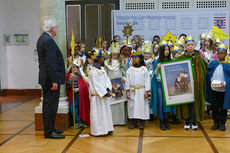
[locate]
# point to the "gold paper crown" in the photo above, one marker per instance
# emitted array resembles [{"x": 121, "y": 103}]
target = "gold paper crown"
[
  {"x": 181, "y": 41},
  {"x": 136, "y": 53},
  {"x": 115, "y": 47},
  {"x": 217, "y": 40},
  {"x": 94, "y": 54},
  {"x": 203, "y": 35},
  {"x": 127, "y": 43},
  {"x": 176, "y": 49},
  {"x": 223, "y": 47},
  {"x": 77, "y": 62},
  {"x": 210, "y": 35},
  {"x": 148, "y": 48},
  {"x": 100, "y": 42},
  {"x": 189, "y": 38},
  {"x": 163, "y": 43}
]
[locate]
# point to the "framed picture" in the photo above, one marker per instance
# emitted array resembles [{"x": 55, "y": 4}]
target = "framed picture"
[
  {"x": 177, "y": 82},
  {"x": 21, "y": 39},
  {"x": 7, "y": 39},
  {"x": 118, "y": 92}
]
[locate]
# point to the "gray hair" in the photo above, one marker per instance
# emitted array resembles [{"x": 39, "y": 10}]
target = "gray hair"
[{"x": 48, "y": 24}]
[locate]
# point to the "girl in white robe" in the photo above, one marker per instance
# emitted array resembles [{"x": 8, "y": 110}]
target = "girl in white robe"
[
  {"x": 116, "y": 69},
  {"x": 100, "y": 90},
  {"x": 137, "y": 87}
]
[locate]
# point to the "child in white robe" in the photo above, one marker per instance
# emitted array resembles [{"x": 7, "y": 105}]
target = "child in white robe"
[
  {"x": 100, "y": 90},
  {"x": 137, "y": 88}
]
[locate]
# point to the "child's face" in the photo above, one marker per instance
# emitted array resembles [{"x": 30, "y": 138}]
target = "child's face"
[
  {"x": 90, "y": 61},
  {"x": 166, "y": 51},
  {"x": 147, "y": 55},
  {"x": 202, "y": 41},
  {"x": 207, "y": 42},
  {"x": 76, "y": 51},
  {"x": 126, "y": 51},
  {"x": 156, "y": 50},
  {"x": 136, "y": 39},
  {"x": 221, "y": 54},
  {"x": 75, "y": 69},
  {"x": 115, "y": 55},
  {"x": 136, "y": 60},
  {"x": 177, "y": 54},
  {"x": 118, "y": 39},
  {"x": 82, "y": 48},
  {"x": 134, "y": 44},
  {"x": 190, "y": 46}
]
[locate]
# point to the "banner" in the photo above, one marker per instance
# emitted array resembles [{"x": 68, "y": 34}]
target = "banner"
[{"x": 148, "y": 23}]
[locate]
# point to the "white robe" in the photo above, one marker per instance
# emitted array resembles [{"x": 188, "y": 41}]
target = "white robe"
[
  {"x": 100, "y": 111},
  {"x": 138, "y": 107}
]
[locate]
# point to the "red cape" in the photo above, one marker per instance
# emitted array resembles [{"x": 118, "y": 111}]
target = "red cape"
[{"x": 84, "y": 102}]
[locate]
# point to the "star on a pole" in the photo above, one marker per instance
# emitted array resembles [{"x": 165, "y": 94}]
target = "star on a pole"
[{"x": 127, "y": 31}]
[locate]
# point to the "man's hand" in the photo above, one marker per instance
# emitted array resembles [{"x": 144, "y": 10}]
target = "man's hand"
[{"x": 55, "y": 86}]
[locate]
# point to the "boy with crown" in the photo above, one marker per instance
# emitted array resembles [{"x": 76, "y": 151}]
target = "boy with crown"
[
  {"x": 100, "y": 89},
  {"x": 194, "y": 112},
  {"x": 126, "y": 50},
  {"x": 137, "y": 86},
  {"x": 218, "y": 85},
  {"x": 116, "y": 69}
]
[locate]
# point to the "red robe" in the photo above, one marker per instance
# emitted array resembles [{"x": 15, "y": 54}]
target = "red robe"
[{"x": 84, "y": 102}]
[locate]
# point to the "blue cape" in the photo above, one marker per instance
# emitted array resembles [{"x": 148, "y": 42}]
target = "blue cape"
[{"x": 211, "y": 69}]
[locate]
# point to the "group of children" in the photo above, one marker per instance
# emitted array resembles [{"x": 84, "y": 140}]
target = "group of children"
[{"x": 138, "y": 68}]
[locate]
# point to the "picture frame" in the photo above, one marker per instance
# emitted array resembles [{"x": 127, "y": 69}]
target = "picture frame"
[
  {"x": 21, "y": 39},
  {"x": 177, "y": 82},
  {"x": 118, "y": 91}
]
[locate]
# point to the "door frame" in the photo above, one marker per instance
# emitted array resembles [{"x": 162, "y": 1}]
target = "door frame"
[{"x": 82, "y": 3}]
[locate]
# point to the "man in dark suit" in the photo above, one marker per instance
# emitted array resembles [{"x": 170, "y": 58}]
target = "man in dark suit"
[{"x": 51, "y": 75}]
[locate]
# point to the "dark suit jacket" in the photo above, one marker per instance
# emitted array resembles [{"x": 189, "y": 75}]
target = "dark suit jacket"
[{"x": 51, "y": 62}]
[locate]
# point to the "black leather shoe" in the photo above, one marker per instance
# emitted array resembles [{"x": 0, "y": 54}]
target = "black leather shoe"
[
  {"x": 58, "y": 131},
  {"x": 54, "y": 135},
  {"x": 215, "y": 126},
  {"x": 222, "y": 127}
]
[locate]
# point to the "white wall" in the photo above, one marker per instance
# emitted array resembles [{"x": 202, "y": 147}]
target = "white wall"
[{"x": 20, "y": 62}]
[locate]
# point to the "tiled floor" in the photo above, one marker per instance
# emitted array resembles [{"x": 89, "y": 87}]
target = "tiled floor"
[{"x": 17, "y": 135}]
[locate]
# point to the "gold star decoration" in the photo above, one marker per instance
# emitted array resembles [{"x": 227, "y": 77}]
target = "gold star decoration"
[
  {"x": 169, "y": 36},
  {"x": 127, "y": 31}
]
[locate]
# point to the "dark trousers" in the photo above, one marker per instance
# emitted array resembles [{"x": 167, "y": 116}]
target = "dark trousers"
[
  {"x": 191, "y": 113},
  {"x": 218, "y": 113},
  {"x": 49, "y": 108}
]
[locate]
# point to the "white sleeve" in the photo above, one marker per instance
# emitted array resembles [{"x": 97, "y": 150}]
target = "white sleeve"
[
  {"x": 97, "y": 83},
  {"x": 127, "y": 80},
  {"x": 147, "y": 80}
]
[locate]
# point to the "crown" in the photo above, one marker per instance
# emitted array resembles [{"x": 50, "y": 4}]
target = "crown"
[
  {"x": 203, "y": 35},
  {"x": 99, "y": 42},
  {"x": 176, "y": 49},
  {"x": 136, "y": 53},
  {"x": 94, "y": 54},
  {"x": 181, "y": 41},
  {"x": 223, "y": 47},
  {"x": 127, "y": 42},
  {"x": 115, "y": 47},
  {"x": 218, "y": 40},
  {"x": 148, "y": 48},
  {"x": 163, "y": 43},
  {"x": 210, "y": 35},
  {"x": 77, "y": 62},
  {"x": 189, "y": 39}
]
